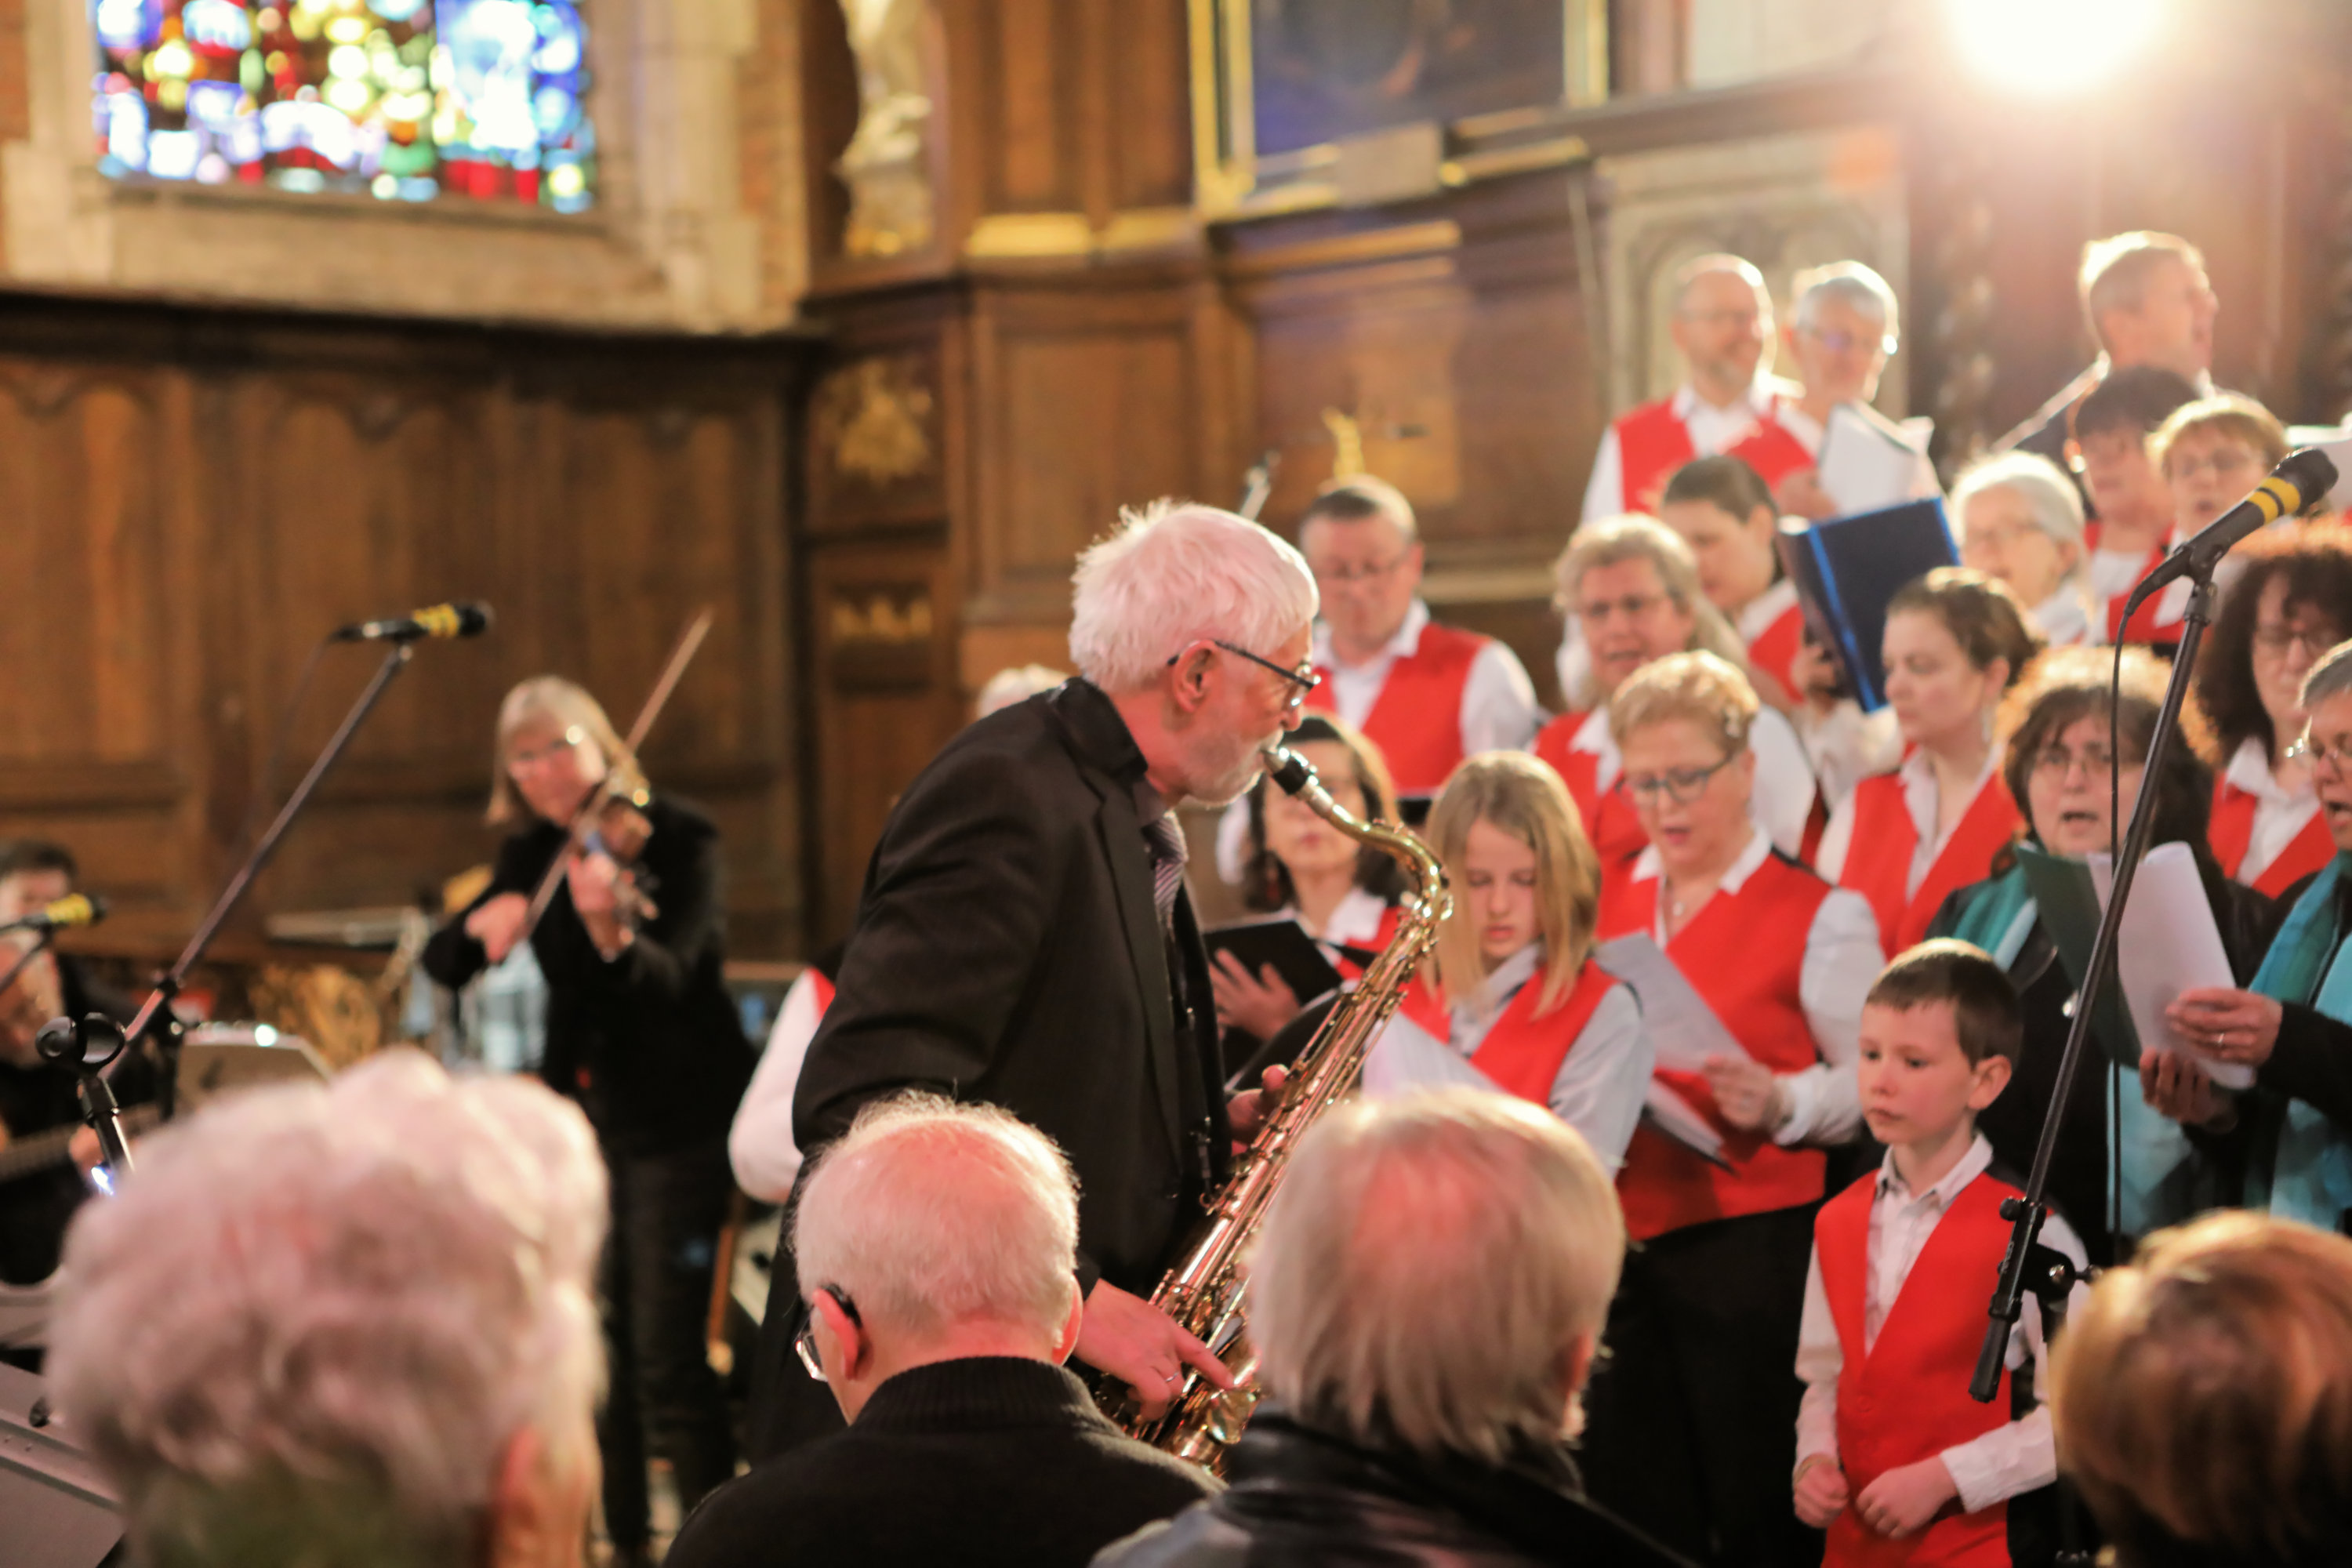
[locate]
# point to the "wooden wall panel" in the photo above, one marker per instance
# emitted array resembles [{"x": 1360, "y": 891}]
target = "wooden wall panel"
[
  {"x": 1150, "y": 104},
  {"x": 1033, "y": 71}
]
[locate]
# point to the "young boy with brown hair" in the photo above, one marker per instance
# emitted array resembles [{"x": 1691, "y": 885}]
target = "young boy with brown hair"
[{"x": 1894, "y": 1459}]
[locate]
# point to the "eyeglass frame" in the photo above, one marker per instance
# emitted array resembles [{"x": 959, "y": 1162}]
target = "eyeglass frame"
[
  {"x": 1663, "y": 784},
  {"x": 804, "y": 1342},
  {"x": 2058, "y": 762},
  {"x": 1303, "y": 680},
  {"x": 1354, "y": 575},
  {"x": 572, "y": 740},
  {"x": 2276, "y": 640},
  {"x": 2302, "y": 749}
]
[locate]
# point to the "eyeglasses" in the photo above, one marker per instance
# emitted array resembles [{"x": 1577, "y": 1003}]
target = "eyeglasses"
[
  {"x": 2057, "y": 762},
  {"x": 521, "y": 761},
  {"x": 1680, "y": 785},
  {"x": 806, "y": 1343},
  {"x": 2000, "y": 537},
  {"x": 1350, "y": 576},
  {"x": 1846, "y": 342},
  {"x": 1722, "y": 318},
  {"x": 1631, "y": 608},
  {"x": 1302, "y": 680},
  {"x": 2336, "y": 753},
  {"x": 2228, "y": 460},
  {"x": 2276, "y": 640}
]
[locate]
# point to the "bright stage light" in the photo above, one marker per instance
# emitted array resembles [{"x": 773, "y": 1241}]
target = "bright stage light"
[{"x": 2052, "y": 46}]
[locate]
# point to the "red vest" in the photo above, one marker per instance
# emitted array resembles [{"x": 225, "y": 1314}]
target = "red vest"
[
  {"x": 1744, "y": 954},
  {"x": 1416, "y": 720},
  {"x": 1652, "y": 442},
  {"x": 1609, "y": 820},
  {"x": 1774, "y": 651},
  {"x": 1348, "y": 968},
  {"x": 1523, "y": 1049},
  {"x": 1878, "y": 856},
  {"x": 1772, "y": 451},
  {"x": 2144, "y": 625},
  {"x": 1908, "y": 1399},
  {"x": 2232, "y": 829}
]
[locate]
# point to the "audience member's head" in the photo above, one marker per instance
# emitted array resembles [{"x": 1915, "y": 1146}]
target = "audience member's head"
[
  {"x": 1195, "y": 621},
  {"x": 931, "y": 1232},
  {"x": 1014, "y": 683},
  {"x": 1724, "y": 510},
  {"x": 351, "y": 1323},
  {"x": 2058, "y": 764},
  {"x": 2203, "y": 1398},
  {"x": 2148, "y": 302},
  {"x": 2211, "y": 452},
  {"x": 2020, "y": 520},
  {"x": 33, "y": 872},
  {"x": 2112, "y": 426},
  {"x": 1722, "y": 325},
  {"x": 1434, "y": 1274},
  {"x": 1633, "y": 588},
  {"x": 1847, "y": 324},
  {"x": 1363, "y": 545},
  {"x": 2290, "y": 603}
]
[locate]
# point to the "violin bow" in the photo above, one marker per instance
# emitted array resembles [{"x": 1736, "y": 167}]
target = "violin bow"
[{"x": 690, "y": 643}]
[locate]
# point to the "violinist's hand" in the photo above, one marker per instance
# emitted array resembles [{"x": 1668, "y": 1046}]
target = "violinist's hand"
[
  {"x": 1141, "y": 1346},
  {"x": 1248, "y": 1110},
  {"x": 595, "y": 884},
  {"x": 497, "y": 925},
  {"x": 1262, "y": 1003}
]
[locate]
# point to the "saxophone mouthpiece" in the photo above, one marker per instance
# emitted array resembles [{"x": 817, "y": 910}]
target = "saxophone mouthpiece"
[{"x": 1294, "y": 773}]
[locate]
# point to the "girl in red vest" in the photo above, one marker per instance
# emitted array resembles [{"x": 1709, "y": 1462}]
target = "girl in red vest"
[
  {"x": 2293, "y": 603},
  {"x": 1342, "y": 893},
  {"x": 1898, "y": 1462},
  {"x": 1516, "y": 1002},
  {"x": 1692, "y": 1422},
  {"x": 1724, "y": 511},
  {"x": 1956, "y": 640},
  {"x": 1633, "y": 588}
]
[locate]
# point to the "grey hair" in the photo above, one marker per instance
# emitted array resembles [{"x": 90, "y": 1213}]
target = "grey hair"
[
  {"x": 1851, "y": 283},
  {"x": 927, "y": 1213},
  {"x": 1170, "y": 575},
  {"x": 1612, "y": 541},
  {"x": 318, "y": 1315},
  {"x": 2049, "y": 495},
  {"x": 2330, "y": 676},
  {"x": 1427, "y": 1268}
]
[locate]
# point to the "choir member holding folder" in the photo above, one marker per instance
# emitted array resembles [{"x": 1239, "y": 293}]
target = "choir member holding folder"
[
  {"x": 2291, "y": 604},
  {"x": 1516, "y": 1002},
  {"x": 1724, "y": 511},
  {"x": 2057, "y": 760},
  {"x": 1692, "y": 1428},
  {"x": 1956, "y": 640}
]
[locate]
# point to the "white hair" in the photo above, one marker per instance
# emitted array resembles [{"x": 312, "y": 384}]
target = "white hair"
[
  {"x": 1014, "y": 683},
  {"x": 1170, "y": 575},
  {"x": 318, "y": 1315},
  {"x": 2050, "y": 496},
  {"x": 2330, "y": 676},
  {"x": 926, "y": 1214},
  {"x": 1852, "y": 284},
  {"x": 1426, "y": 1269}
]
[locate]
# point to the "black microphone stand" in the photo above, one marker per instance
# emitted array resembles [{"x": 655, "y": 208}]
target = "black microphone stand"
[
  {"x": 2053, "y": 1276},
  {"x": 155, "y": 1017}
]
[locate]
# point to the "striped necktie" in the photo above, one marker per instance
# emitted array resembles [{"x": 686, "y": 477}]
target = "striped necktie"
[{"x": 1166, "y": 842}]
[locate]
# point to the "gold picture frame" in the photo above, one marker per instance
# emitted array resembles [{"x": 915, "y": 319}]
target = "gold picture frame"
[{"x": 1233, "y": 179}]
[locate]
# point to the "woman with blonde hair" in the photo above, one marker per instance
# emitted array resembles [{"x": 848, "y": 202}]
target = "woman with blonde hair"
[
  {"x": 641, "y": 1033},
  {"x": 1513, "y": 1000},
  {"x": 1630, "y": 587},
  {"x": 1693, "y": 1420}
]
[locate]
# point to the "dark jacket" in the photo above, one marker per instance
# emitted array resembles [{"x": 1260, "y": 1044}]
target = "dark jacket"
[
  {"x": 649, "y": 1045},
  {"x": 34, "y": 1207},
  {"x": 990, "y": 1460},
  {"x": 1300, "y": 1499}
]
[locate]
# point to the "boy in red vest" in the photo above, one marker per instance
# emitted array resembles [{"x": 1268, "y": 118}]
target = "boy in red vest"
[{"x": 1894, "y": 1459}]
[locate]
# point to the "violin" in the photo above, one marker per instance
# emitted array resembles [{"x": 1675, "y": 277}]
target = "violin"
[{"x": 619, "y": 830}]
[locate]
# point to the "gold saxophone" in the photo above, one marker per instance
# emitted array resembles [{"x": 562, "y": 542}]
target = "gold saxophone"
[{"x": 1203, "y": 1291}]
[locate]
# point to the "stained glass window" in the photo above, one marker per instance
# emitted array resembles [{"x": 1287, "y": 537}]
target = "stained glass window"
[{"x": 402, "y": 100}]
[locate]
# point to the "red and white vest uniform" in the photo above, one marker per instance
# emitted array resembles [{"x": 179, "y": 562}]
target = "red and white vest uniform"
[
  {"x": 2243, "y": 796},
  {"x": 1906, "y": 1398},
  {"x": 1772, "y": 625},
  {"x": 1643, "y": 446},
  {"x": 1744, "y": 952},
  {"x": 1347, "y": 930},
  {"x": 1523, "y": 1050},
  {"x": 1446, "y": 692},
  {"x": 1609, "y": 820},
  {"x": 1873, "y": 842}
]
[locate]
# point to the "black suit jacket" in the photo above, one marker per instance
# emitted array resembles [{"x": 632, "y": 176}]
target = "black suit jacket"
[{"x": 983, "y": 1461}]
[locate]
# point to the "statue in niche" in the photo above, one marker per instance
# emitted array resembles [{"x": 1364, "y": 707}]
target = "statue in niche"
[{"x": 884, "y": 167}]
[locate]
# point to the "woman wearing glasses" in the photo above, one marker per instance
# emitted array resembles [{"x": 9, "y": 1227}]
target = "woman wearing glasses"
[
  {"x": 1633, "y": 588},
  {"x": 1692, "y": 1428},
  {"x": 2291, "y": 603},
  {"x": 2293, "y": 1025},
  {"x": 641, "y": 1033},
  {"x": 1955, "y": 641},
  {"x": 2058, "y": 762}
]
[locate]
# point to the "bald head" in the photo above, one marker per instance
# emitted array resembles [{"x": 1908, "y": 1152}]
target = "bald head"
[{"x": 1722, "y": 325}]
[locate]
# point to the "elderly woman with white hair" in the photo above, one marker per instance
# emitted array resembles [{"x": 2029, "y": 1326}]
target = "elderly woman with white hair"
[
  {"x": 345, "y": 1323},
  {"x": 1426, "y": 1298},
  {"x": 1024, "y": 938},
  {"x": 2021, "y": 521}
]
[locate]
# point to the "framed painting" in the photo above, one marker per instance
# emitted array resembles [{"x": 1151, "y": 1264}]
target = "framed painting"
[{"x": 1300, "y": 104}]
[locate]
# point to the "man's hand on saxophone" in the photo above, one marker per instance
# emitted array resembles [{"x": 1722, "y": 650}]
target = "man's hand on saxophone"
[
  {"x": 1248, "y": 1110},
  {"x": 1136, "y": 1342}
]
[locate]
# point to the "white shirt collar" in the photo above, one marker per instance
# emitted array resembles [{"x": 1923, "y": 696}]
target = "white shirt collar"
[
  {"x": 1756, "y": 617},
  {"x": 1505, "y": 978},
  {"x": 1404, "y": 645},
  {"x": 1972, "y": 1164},
  {"x": 2063, "y": 618},
  {"x": 1918, "y": 775},
  {"x": 2250, "y": 770},
  {"x": 1356, "y": 920},
  {"x": 1647, "y": 866}
]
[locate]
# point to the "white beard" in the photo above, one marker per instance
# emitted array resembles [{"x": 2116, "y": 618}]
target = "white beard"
[{"x": 1236, "y": 780}]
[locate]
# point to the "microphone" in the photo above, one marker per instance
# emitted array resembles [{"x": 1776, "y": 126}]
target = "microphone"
[
  {"x": 2302, "y": 478},
  {"x": 470, "y": 618},
  {"x": 77, "y": 910}
]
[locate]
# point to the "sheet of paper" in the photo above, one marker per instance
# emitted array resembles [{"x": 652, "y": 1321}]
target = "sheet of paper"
[
  {"x": 1864, "y": 463},
  {"x": 1407, "y": 1056},
  {"x": 1673, "y": 1117},
  {"x": 2168, "y": 943},
  {"x": 1682, "y": 1028}
]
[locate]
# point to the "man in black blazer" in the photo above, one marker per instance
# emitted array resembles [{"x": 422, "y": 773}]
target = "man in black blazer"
[{"x": 1024, "y": 938}]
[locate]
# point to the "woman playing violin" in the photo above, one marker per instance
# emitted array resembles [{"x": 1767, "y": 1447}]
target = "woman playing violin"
[{"x": 640, "y": 1031}]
